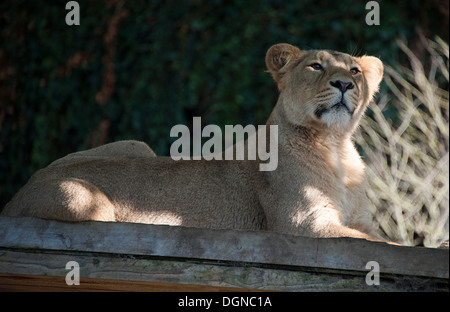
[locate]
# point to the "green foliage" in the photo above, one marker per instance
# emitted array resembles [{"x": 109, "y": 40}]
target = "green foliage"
[{"x": 134, "y": 69}]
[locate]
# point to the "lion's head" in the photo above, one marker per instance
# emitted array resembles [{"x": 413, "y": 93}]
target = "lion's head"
[{"x": 323, "y": 89}]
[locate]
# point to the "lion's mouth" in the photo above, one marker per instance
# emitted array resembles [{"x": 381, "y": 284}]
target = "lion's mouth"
[{"x": 337, "y": 106}]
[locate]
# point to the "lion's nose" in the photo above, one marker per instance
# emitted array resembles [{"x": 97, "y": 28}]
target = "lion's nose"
[{"x": 342, "y": 85}]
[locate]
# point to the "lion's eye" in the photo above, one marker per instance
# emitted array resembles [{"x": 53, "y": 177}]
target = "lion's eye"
[
  {"x": 354, "y": 70},
  {"x": 316, "y": 66}
]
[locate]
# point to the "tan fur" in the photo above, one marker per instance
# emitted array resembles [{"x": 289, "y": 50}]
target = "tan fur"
[{"x": 318, "y": 188}]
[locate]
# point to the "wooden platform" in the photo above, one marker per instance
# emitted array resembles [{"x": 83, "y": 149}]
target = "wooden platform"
[{"x": 140, "y": 257}]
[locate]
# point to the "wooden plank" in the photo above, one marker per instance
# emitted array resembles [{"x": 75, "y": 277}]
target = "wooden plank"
[
  {"x": 42, "y": 283},
  {"x": 222, "y": 245},
  {"x": 163, "y": 274}
]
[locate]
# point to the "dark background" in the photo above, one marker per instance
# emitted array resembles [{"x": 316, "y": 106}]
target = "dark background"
[{"x": 134, "y": 69}]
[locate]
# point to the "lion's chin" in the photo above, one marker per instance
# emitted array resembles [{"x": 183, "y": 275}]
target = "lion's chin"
[{"x": 338, "y": 117}]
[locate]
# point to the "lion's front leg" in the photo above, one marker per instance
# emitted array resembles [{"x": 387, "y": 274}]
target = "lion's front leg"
[{"x": 325, "y": 220}]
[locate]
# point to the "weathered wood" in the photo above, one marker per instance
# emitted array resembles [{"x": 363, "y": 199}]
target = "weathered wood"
[
  {"x": 222, "y": 245},
  {"x": 119, "y": 273},
  {"x": 42, "y": 283}
]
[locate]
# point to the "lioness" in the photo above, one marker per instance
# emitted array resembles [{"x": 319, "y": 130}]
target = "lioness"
[{"x": 318, "y": 188}]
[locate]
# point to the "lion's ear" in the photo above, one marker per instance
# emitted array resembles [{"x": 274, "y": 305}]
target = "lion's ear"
[
  {"x": 278, "y": 58},
  {"x": 373, "y": 71}
]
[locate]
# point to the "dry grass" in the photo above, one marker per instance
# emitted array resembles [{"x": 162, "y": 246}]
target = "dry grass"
[{"x": 408, "y": 156}]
